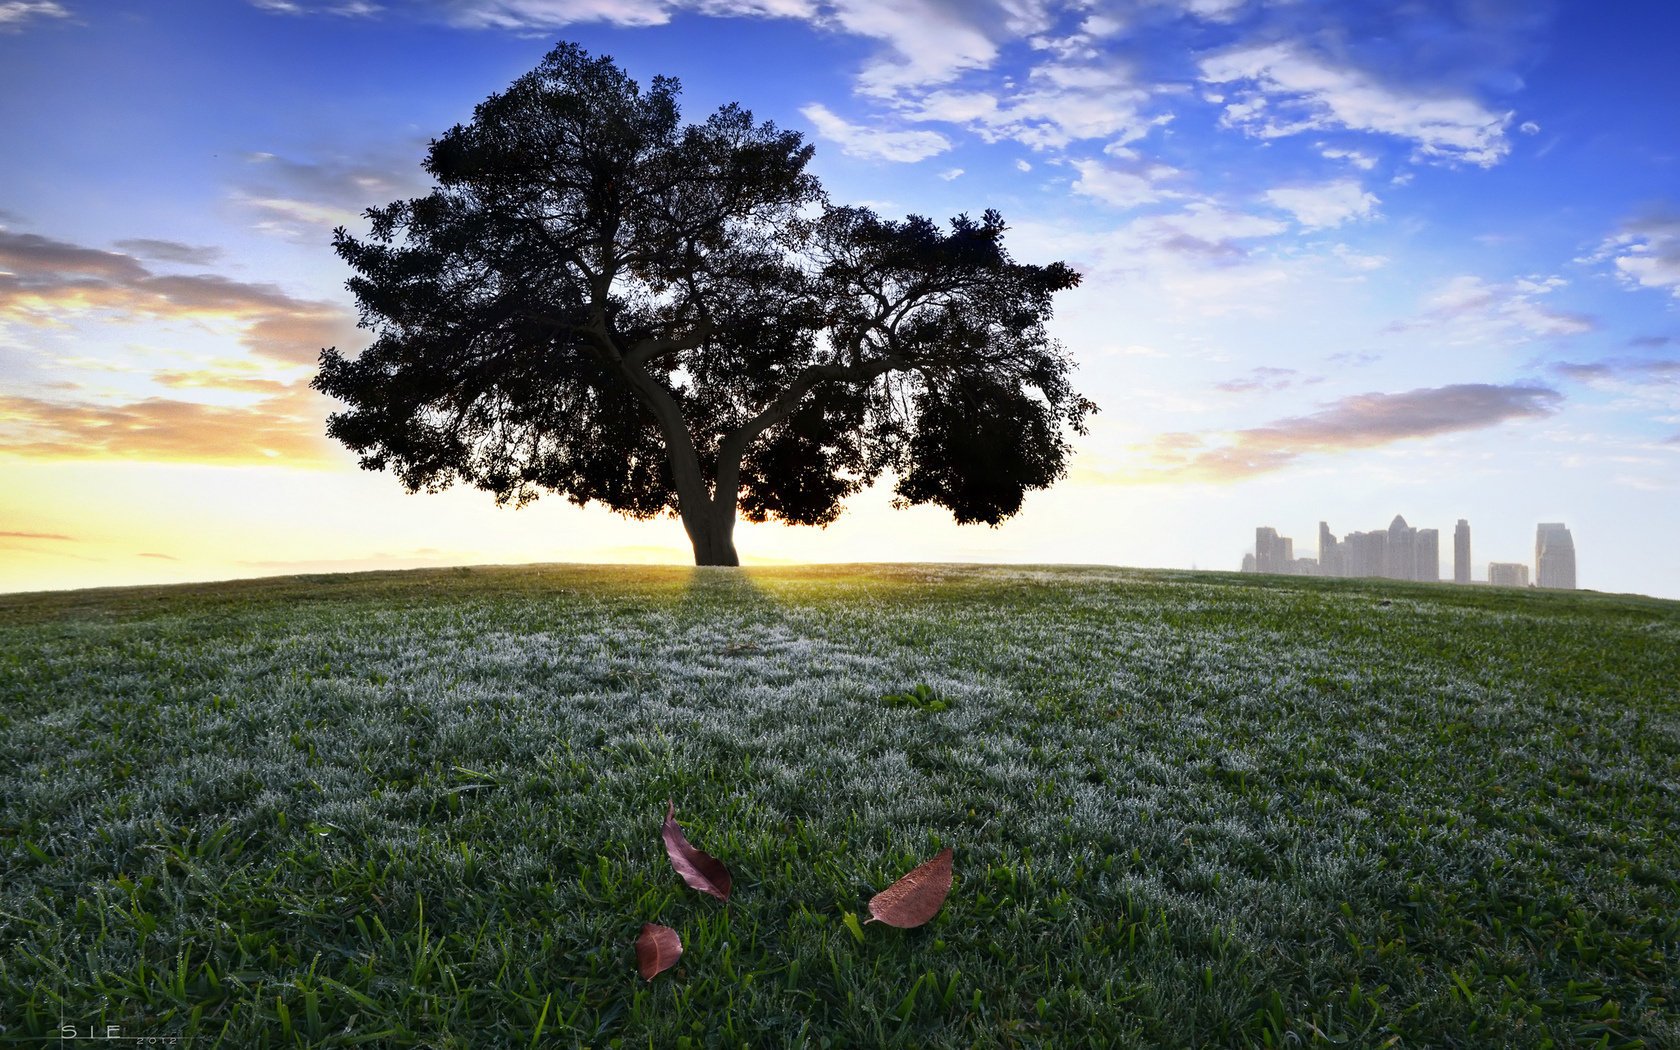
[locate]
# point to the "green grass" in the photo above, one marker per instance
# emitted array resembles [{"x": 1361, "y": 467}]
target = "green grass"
[{"x": 423, "y": 809}]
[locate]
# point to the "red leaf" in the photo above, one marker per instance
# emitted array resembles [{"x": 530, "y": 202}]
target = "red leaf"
[
  {"x": 916, "y": 897},
  {"x": 699, "y": 869},
  {"x": 657, "y": 949}
]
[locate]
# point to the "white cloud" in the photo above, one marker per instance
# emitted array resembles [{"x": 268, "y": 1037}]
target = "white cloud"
[
  {"x": 1325, "y": 204},
  {"x": 1214, "y": 10},
  {"x": 1529, "y": 127},
  {"x": 1061, "y": 103},
  {"x": 872, "y": 143},
  {"x": 1021, "y": 165},
  {"x": 1470, "y": 309},
  {"x": 532, "y": 15},
  {"x": 1122, "y": 188},
  {"x": 552, "y": 14},
  {"x": 1646, "y": 253},
  {"x": 1290, "y": 90},
  {"x": 346, "y": 8},
  {"x": 14, "y": 13},
  {"x": 1359, "y": 261},
  {"x": 1358, "y": 158},
  {"x": 951, "y": 174},
  {"x": 929, "y": 41}
]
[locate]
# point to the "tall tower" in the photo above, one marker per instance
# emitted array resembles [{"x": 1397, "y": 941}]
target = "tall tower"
[
  {"x": 1554, "y": 556},
  {"x": 1268, "y": 550},
  {"x": 1402, "y": 555},
  {"x": 1461, "y": 552},
  {"x": 1426, "y": 557},
  {"x": 1329, "y": 552}
]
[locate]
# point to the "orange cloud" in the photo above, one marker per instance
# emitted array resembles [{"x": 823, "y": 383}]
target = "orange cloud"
[
  {"x": 283, "y": 429},
  {"x": 43, "y": 281},
  {"x": 1359, "y": 421}
]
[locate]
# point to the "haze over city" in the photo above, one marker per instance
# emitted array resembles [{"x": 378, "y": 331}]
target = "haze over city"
[{"x": 1337, "y": 261}]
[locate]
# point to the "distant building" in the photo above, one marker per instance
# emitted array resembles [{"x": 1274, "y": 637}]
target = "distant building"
[
  {"x": 1329, "y": 552},
  {"x": 1507, "y": 574},
  {"x": 1272, "y": 553},
  {"x": 1401, "y": 552},
  {"x": 1426, "y": 555},
  {"x": 1365, "y": 554},
  {"x": 1554, "y": 556},
  {"x": 1401, "y": 560}
]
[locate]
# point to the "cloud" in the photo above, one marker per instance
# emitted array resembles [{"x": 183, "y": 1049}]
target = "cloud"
[
  {"x": 933, "y": 41},
  {"x": 284, "y": 430},
  {"x": 1472, "y": 309},
  {"x": 1205, "y": 231},
  {"x": 1284, "y": 88},
  {"x": 951, "y": 174},
  {"x": 170, "y": 251},
  {"x": 37, "y": 536},
  {"x": 1123, "y": 187},
  {"x": 874, "y": 144},
  {"x": 45, "y": 282},
  {"x": 538, "y": 15},
  {"x": 165, "y": 557},
  {"x": 1356, "y": 422},
  {"x": 1267, "y": 377},
  {"x": 1646, "y": 251},
  {"x": 1618, "y": 369},
  {"x": 16, "y": 14},
  {"x": 304, "y": 200},
  {"x": 1059, "y": 104},
  {"x": 343, "y": 8},
  {"x": 1325, "y": 204},
  {"x": 1358, "y": 158}
]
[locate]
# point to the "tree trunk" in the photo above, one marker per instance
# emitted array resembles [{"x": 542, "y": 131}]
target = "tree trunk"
[{"x": 712, "y": 531}]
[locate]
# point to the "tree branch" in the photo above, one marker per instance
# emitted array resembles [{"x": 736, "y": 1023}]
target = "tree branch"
[{"x": 647, "y": 349}]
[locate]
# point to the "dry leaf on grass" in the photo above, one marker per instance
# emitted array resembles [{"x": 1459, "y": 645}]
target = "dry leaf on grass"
[
  {"x": 699, "y": 869},
  {"x": 657, "y": 949},
  {"x": 916, "y": 897}
]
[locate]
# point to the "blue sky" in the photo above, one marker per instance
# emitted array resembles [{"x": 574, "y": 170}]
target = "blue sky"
[{"x": 1341, "y": 261}]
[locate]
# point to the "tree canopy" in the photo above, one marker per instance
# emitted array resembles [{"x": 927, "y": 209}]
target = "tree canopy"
[{"x": 600, "y": 301}]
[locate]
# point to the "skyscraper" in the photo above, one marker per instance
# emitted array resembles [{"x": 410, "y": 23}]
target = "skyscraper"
[
  {"x": 1401, "y": 551},
  {"x": 1426, "y": 555},
  {"x": 1272, "y": 553},
  {"x": 1554, "y": 556},
  {"x": 1461, "y": 552},
  {"x": 1329, "y": 552},
  {"x": 1507, "y": 574}
]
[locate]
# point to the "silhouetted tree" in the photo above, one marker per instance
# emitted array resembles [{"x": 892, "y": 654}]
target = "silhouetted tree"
[{"x": 599, "y": 301}]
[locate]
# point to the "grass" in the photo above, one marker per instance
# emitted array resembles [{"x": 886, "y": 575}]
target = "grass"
[{"x": 423, "y": 809}]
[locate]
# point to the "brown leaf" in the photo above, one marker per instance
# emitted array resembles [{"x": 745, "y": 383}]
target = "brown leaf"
[
  {"x": 699, "y": 869},
  {"x": 916, "y": 897},
  {"x": 657, "y": 949}
]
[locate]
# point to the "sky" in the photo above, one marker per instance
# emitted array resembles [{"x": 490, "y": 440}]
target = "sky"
[{"x": 1341, "y": 262}]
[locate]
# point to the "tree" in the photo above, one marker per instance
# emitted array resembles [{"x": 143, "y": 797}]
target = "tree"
[{"x": 668, "y": 319}]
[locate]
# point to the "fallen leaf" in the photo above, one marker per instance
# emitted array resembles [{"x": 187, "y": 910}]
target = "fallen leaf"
[
  {"x": 916, "y": 897},
  {"x": 657, "y": 949},
  {"x": 699, "y": 869}
]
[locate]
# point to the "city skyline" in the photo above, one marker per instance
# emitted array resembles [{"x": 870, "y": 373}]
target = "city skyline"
[{"x": 1405, "y": 552}]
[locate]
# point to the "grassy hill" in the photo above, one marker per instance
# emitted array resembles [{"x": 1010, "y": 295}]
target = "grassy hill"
[{"x": 423, "y": 808}]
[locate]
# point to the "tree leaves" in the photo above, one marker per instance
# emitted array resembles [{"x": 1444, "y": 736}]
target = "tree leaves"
[
  {"x": 907, "y": 903},
  {"x": 657, "y": 949},
  {"x": 699, "y": 869},
  {"x": 917, "y": 897}
]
